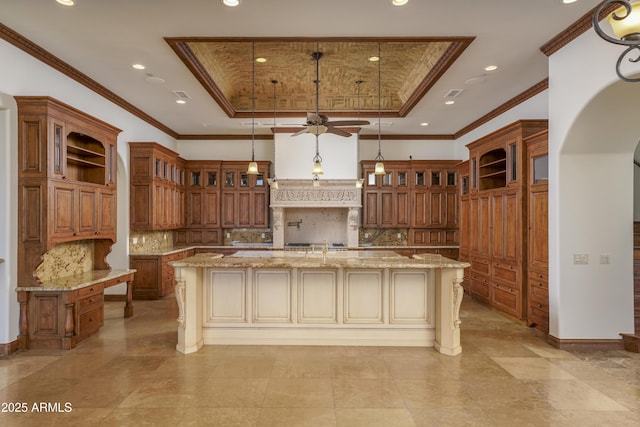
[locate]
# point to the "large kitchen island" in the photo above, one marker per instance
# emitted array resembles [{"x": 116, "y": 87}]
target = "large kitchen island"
[{"x": 319, "y": 297}]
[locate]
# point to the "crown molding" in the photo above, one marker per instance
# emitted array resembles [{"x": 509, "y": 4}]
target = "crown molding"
[
  {"x": 583, "y": 24},
  {"x": 56, "y": 63}
]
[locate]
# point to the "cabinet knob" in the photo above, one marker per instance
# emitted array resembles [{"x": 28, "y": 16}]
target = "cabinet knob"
[{"x": 539, "y": 305}]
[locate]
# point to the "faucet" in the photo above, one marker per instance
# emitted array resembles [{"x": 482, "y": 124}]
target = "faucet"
[{"x": 325, "y": 249}]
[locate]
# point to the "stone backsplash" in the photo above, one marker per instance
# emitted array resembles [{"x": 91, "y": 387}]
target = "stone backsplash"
[
  {"x": 384, "y": 236},
  {"x": 150, "y": 241},
  {"x": 246, "y": 235},
  {"x": 65, "y": 259}
]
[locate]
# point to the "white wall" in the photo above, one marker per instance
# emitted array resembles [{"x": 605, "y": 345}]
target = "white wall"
[
  {"x": 21, "y": 74},
  {"x": 593, "y": 133}
]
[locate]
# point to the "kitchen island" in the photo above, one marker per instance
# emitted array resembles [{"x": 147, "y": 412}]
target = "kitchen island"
[{"x": 354, "y": 298}]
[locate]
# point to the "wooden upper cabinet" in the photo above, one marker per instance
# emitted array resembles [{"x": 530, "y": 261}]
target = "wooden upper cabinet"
[
  {"x": 67, "y": 181},
  {"x": 157, "y": 187},
  {"x": 244, "y": 197}
]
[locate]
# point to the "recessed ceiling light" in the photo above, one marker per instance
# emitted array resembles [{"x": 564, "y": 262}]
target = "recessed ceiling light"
[
  {"x": 231, "y": 3},
  {"x": 180, "y": 101},
  {"x": 450, "y": 102},
  {"x": 205, "y": 124},
  {"x": 261, "y": 59},
  {"x": 138, "y": 66},
  {"x": 569, "y": 1},
  {"x": 491, "y": 68},
  {"x": 67, "y": 2},
  {"x": 374, "y": 58},
  {"x": 424, "y": 124},
  {"x": 399, "y": 2}
]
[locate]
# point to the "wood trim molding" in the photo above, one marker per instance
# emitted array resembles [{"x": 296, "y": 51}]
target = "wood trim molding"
[
  {"x": 518, "y": 99},
  {"x": 56, "y": 63},
  {"x": 115, "y": 297},
  {"x": 584, "y": 344},
  {"x": 8, "y": 348},
  {"x": 39, "y": 53},
  {"x": 583, "y": 24}
]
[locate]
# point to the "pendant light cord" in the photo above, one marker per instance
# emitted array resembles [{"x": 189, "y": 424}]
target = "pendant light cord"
[
  {"x": 379, "y": 156},
  {"x": 253, "y": 99}
]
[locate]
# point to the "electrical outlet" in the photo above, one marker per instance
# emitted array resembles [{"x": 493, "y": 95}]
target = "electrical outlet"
[
  {"x": 399, "y": 235},
  {"x": 135, "y": 240},
  {"x": 164, "y": 236},
  {"x": 143, "y": 239},
  {"x": 604, "y": 259},
  {"x": 228, "y": 235},
  {"x": 263, "y": 235},
  {"x": 366, "y": 235},
  {"x": 581, "y": 259}
]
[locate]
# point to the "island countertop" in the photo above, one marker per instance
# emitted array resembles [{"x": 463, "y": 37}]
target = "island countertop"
[{"x": 333, "y": 259}]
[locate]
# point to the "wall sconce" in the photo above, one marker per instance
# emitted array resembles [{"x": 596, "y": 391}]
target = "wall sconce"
[{"x": 625, "y": 23}]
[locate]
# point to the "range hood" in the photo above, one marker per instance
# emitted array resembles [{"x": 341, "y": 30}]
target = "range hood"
[{"x": 303, "y": 213}]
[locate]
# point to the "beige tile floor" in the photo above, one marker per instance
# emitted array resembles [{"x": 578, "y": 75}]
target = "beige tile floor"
[{"x": 130, "y": 375}]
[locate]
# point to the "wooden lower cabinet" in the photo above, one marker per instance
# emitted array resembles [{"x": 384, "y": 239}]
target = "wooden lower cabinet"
[
  {"x": 538, "y": 301},
  {"x": 155, "y": 277}
]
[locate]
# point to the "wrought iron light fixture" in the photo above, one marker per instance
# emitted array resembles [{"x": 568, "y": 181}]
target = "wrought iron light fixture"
[
  {"x": 253, "y": 166},
  {"x": 379, "y": 168},
  {"x": 625, "y": 22}
]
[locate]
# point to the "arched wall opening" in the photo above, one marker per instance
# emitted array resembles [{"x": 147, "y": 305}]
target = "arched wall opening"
[{"x": 595, "y": 212}]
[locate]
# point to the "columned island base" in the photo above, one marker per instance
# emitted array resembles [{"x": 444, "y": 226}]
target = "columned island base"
[{"x": 355, "y": 298}]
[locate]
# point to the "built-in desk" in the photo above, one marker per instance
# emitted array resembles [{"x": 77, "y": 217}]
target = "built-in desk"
[{"x": 63, "y": 312}]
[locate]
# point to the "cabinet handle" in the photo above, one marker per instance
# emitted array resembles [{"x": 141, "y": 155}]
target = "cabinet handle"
[
  {"x": 539, "y": 305},
  {"x": 91, "y": 300}
]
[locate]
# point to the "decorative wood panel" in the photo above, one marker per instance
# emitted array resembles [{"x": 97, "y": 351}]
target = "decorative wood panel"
[
  {"x": 225, "y": 296},
  {"x": 317, "y": 296},
  {"x": 409, "y": 298},
  {"x": 363, "y": 296},
  {"x": 272, "y": 295}
]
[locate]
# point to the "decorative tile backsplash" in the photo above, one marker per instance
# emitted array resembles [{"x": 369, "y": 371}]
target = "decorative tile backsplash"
[
  {"x": 243, "y": 235},
  {"x": 65, "y": 259},
  {"x": 150, "y": 241}
]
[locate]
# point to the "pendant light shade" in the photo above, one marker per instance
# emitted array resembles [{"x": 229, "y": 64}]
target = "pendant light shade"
[
  {"x": 252, "y": 169},
  {"x": 379, "y": 168}
]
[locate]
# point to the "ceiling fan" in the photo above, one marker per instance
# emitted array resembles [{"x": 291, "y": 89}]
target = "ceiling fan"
[{"x": 319, "y": 123}]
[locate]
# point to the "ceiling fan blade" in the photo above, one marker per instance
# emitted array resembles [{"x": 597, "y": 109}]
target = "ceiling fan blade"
[
  {"x": 338, "y": 132},
  {"x": 300, "y": 132},
  {"x": 348, "y": 123}
]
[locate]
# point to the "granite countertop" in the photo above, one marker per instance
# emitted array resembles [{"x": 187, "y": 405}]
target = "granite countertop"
[
  {"x": 340, "y": 259},
  {"x": 262, "y": 247},
  {"x": 77, "y": 281}
]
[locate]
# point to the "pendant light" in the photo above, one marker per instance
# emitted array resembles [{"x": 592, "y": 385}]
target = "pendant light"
[
  {"x": 274, "y": 181},
  {"x": 253, "y": 166},
  {"x": 317, "y": 160},
  {"x": 359, "y": 182},
  {"x": 379, "y": 168}
]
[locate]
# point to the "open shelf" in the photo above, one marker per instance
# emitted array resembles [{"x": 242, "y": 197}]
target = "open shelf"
[
  {"x": 86, "y": 159},
  {"x": 492, "y": 169}
]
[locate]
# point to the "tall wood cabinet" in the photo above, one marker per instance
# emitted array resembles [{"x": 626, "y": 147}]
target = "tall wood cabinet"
[
  {"x": 157, "y": 189},
  {"x": 245, "y": 197},
  {"x": 537, "y": 231},
  {"x": 497, "y": 230},
  {"x": 67, "y": 182},
  {"x": 419, "y": 195}
]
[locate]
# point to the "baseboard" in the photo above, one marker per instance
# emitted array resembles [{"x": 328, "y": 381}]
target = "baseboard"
[
  {"x": 631, "y": 342},
  {"x": 115, "y": 297},
  {"x": 585, "y": 344},
  {"x": 8, "y": 348}
]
